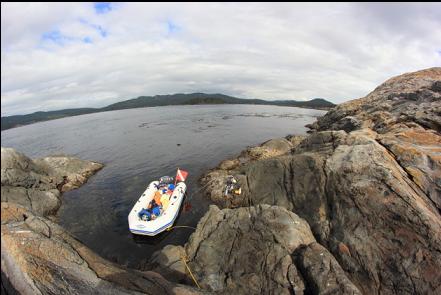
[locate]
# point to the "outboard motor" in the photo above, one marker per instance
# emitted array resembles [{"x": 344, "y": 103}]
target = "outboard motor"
[{"x": 166, "y": 180}]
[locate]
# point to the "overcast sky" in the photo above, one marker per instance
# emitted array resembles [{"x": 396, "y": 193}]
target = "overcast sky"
[{"x": 57, "y": 55}]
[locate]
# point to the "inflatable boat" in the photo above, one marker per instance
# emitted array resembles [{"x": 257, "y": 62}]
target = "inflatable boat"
[{"x": 150, "y": 220}]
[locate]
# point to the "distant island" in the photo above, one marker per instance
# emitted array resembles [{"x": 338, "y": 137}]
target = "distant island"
[{"x": 159, "y": 100}]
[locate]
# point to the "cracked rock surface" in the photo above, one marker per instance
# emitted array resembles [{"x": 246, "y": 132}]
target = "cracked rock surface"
[
  {"x": 256, "y": 250},
  {"x": 367, "y": 181}
]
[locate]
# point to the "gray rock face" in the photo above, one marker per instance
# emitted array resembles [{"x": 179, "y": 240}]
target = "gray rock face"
[
  {"x": 42, "y": 202},
  {"x": 252, "y": 247},
  {"x": 370, "y": 192},
  {"x": 169, "y": 262},
  {"x": 321, "y": 271},
  {"x": 352, "y": 191},
  {"x": 418, "y": 152},
  {"x": 251, "y": 251},
  {"x": 215, "y": 181},
  {"x": 36, "y": 184},
  {"x": 405, "y": 111},
  {"x": 406, "y": 99},
  {"x": 348, "y": 124}
]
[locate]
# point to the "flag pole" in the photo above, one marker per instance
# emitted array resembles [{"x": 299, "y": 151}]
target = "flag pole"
[{"x": 176, "y": 177}]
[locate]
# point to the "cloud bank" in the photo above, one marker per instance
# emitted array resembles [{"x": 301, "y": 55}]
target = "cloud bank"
[{"x": 63, "y": 55}]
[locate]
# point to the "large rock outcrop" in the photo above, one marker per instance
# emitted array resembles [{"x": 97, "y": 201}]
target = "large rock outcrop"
[
  {"x": 409, "y": 100},
  {"x": 405, "y": 112},
  {"x": 255, "y": 250},
  {"x": 368, "y": 182},
  {"x": 37, "y": 184},
  {"x": 40, "y": 257}
]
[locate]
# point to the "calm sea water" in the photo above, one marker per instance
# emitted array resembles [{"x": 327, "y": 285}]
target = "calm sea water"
[{"x": 138, "y": 146}]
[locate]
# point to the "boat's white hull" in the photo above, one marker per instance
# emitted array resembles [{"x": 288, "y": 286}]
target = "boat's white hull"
[{"x": 165, "y": 220}]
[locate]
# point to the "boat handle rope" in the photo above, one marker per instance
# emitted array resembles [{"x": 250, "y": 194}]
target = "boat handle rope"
[{"x": 172, "y": 227}]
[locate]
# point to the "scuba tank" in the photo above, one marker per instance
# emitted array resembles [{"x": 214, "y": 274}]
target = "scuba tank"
[{"x": 232, "y": 186}]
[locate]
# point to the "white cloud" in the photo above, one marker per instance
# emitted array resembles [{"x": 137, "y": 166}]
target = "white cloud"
[{"x": 66, "y": 55}]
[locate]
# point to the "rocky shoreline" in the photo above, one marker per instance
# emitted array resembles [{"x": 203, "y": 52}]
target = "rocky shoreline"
[
  {"x": 40, "y": 257},
  {"x": 352, "y": 208},
  {"x": 366, "y": 185}
]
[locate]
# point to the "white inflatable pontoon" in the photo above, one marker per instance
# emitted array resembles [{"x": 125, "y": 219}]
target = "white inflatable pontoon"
[{"x": 162, "y": 222}]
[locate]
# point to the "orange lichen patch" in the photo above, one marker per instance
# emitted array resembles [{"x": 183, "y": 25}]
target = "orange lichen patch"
[
  {"x": 11, "y": 212},
  {"x": 352, "y": 105},
  {"x": 322, "y": 212},
  {"x": 420, "y": 137},
  {"x": 261, "y": 153},
  {"x": 51, "y": 250},
  {"x": 41, "y": 274},
  {"x": 395, "y": 172},
  {"x": 435, "y": 158},
  {"x": 12, "y": 244},
  {"x": 432, "y": 73},
  {"x": 16, "y": 243},
  {"x": 414, "y": 151},
  {"x": 96, "y": 263},
  {"x": 33, "y": 249},
  {"x": 364, "y": 132},
  {"x": 419, "y": 153},
  {"x": 406, "y": 153},
  {"x": 229, "y": 164},
  {"x": 344, "y": 249},
  {"x": 418, "y": 176}
]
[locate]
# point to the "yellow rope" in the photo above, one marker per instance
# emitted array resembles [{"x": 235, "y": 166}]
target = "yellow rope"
[
  {"x": 189, "y": 270},
  {"x": 172, "y": 227}
]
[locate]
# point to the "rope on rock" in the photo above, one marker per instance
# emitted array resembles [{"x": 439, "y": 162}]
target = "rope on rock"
[
  {"x": 172, "y": 227},
  {"x": 184, "y": 259}
]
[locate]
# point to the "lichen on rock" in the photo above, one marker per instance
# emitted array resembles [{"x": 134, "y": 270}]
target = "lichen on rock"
[{"x": 368, "y": 181}]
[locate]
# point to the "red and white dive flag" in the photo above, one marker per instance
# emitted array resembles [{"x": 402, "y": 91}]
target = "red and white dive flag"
[{"x": 181, "y": 175}]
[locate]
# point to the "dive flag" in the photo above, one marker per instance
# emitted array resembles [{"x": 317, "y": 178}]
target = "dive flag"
[{"x": 181, "y": 175}]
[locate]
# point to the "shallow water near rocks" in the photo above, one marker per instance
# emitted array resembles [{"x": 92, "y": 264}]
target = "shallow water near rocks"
[{"x": 138, "y": 146}]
